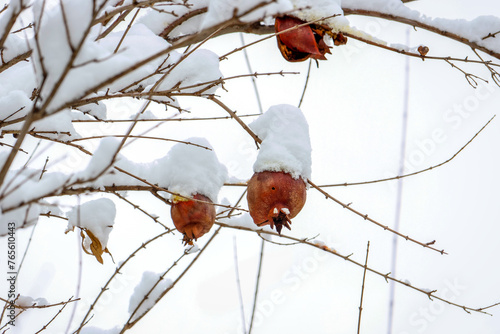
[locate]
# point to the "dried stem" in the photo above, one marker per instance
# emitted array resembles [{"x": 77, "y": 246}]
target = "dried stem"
[
  {"x": 238, "y": 283},
  {"x": 35, "y": 306},
  {"x": 363, "y": 287},
  {"x": 430, "y": 294},
  {"x": 56, "y": 315},
  {"x": 137, "y": 207},
  {"x": 237, "y": 118},
  {"x": 414, "y": 173},
  {"x": 257, "y": 284},
  {"x": 418, "y": 24},
  {"x": 365, "y": 217},
  {"x": 327, "y": 195},
  {"x": 305, "y": 84},
  {"x": 418, "y": 55},
  {"x": 117, "y": 271},
  {"x": 129, "y": 324}
]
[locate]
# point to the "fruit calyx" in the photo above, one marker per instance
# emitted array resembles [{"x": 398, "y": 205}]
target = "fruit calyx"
[{"x": 279, "y": 218}]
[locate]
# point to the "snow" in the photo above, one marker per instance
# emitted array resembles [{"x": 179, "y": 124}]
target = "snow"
[
  {"x": 97, "y": 215},
  {"x": 148, "y": 114},
  {"x": 189, "y": 169},
  {"x": 97, "y": 110},
  {"x": 142, "y": 289},
  {"x": 24, "y": 186},
  {"x": 101, "y": 160},
  {"x": 96, "y": 60},
  {"x": 23, "y": 217},
  {"x": 139, "y": 43},
  {"x": 14, "y": 45},
  {"x": 192, "y": 249},
  {"x": 15, "y": 104},
  {"x": 53, "y": 39},
  {"x": 59, "y": 123},
  {"x": 474, "y": 30},
  {"x": 313, "y": 10},
  {"x": 95, "y": 330},
  {"x": 222, "y": 10},
  {"x": 285, "y": 146},
  {"x": 199, "y": 67},
  {"x": 29, "y": 301},
  {"x": 245, "y": 220},
  {"x": 157, "y": 21}
]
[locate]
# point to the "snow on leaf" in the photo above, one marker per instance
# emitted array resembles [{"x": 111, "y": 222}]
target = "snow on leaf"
[{"x": 95, "y": 219}]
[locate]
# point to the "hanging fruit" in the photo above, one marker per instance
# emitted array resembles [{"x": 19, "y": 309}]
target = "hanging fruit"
[
  {"x": 303, "y": 42},
  {"x": 277, "y": 190},
  {"x": 193, "y": 173},
  {"x": 192, "y": 218},
  {"x": 274, "y": 198}
]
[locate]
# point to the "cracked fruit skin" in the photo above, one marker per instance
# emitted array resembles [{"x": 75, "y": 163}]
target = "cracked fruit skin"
[
  {"x": 274, "y": 198},
  {"x": 192, "y": 218},
  {"x": 301, "y": 43}
]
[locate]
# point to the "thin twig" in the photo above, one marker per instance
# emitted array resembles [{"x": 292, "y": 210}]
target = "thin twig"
[
  {"x": 129, "y": 325},
  {"x": 254, "y": 83},
  {"x": 35, "y": 306},
  {"x": 413, "y": 54},
  {"x": 143, "y": 137},
  {"x": 418, "y": 24},
  {"x": 122, "y": 38},
  {"x": 365, "y": 217},
  {"x": 257, "y": 284},
  {"x": 117, "y": 271},
  {"x": 160, "y": 119},
  {"x": 137, "y": 207},
  {"x": 305, "y": 85},
  {"x": 471, "y": 78},
  {"x": 414, "y": 173},
  {"x": 236, "y": 117},
  {"x": 363, "y": 287},
  {"x": 430, "y": 294},
  {"x": 150, "y": 291},
  {"x": 327, "y": 195},
  {"x": 238, "y": 284},
  {"x": 55, "y": 316},
  {"x": 80, "y": 267},
  {"x": 26, "y": 250},
  {"x": 494, "y": 74}
]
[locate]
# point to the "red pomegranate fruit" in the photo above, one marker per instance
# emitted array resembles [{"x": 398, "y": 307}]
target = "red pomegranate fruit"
[
  {"x": 193, "y": 218},
  {"x": 274, "y": 198},
  {"x": 301, "y": 43}
]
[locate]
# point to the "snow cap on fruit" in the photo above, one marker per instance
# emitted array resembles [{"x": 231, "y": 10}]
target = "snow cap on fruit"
[{"x": 286, "y": 146}]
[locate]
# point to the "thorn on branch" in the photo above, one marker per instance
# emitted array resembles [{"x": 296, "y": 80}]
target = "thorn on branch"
[
  {"x": 429, "y": 294},
  {"x": 491, "y": 35}
]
